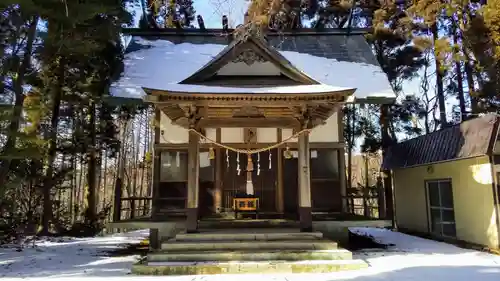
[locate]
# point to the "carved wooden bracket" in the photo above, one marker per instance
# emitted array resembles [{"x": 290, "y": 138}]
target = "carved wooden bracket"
[
  {"x": 248, "y": 111},
  {"x": 303, "y": 114},
  {"x": 249, "y": 57},
  {"x": 250, "y": 135},
  {"x": 193, "y": 115}
]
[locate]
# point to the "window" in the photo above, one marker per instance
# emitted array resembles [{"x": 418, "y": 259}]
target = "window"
[
  {"x": 173, "y": 166},
  {"x": 441, "y": 212},
  {"x": 325, "y": 164}
]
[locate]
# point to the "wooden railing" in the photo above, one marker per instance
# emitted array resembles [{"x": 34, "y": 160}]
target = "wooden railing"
[
  {"x": 132, "y": 207},
  {"x": 367, "y": 202}
]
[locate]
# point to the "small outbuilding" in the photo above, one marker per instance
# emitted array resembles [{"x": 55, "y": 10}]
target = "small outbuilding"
[{"x": 446, "y": 182}]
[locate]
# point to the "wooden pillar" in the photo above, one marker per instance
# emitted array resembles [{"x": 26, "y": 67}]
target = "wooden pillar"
[
  {"x": 218, "y": 175},
  {"x": 154, "y": 239},
  {"x": 342, "y": 164},
  {"x": 387, "y": 179},
  {"x": 280, "y": 204},
  {"x": 304, "y": 176},
  {"x": 193, "y": 182}
]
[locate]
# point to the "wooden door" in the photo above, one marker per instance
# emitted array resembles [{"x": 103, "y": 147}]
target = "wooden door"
[
  {"x": 291, "y": 188},
  {"x": 206, "y": 185},
  {"x": 264, "y": 182},
  {"x": 232, "y": 181}
]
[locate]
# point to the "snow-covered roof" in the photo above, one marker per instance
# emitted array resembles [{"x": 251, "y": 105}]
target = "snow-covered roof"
[
  {"x": 162, "y": 63},
  {"x": 298, "y": 89}
]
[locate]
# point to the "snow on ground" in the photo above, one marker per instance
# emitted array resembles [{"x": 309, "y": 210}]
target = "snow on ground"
[
  {"x": 410, "y": 258},
  {"x": 69, "y": 257}
]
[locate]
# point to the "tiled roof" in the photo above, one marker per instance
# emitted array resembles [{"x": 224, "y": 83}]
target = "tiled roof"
[
  {"x": 332, "y": 45},
  {"x": 332, "y": 57},
  {"x": 471, "y": 138}
]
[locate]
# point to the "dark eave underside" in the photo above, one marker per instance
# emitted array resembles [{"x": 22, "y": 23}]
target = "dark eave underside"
[{"x": 159, "y": 96}]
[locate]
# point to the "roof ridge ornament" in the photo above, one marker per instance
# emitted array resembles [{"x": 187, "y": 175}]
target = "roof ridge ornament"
[{"x": 250, "y": 29}]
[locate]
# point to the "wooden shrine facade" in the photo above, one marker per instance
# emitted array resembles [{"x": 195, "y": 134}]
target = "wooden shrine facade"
[
  {"x": 248, "y": 118},
  {"x": 286, "y": 184}
]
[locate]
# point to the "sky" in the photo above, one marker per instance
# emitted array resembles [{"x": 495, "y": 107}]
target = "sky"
[{"x": 213, "y": 10}]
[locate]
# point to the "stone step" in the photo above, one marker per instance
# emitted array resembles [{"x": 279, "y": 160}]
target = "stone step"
[
  {"x": 259, "y": 223},
  {"x": 338, "y": 254},
  {"x": 248, "y": 245},
  {"x": 256, "y": 267},
  {"x": 248, "y": 236}
]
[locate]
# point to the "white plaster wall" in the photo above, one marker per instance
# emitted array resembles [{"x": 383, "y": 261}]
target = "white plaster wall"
[
  {"x": 172, "y": 133},
  {"x": 286, "y": 133},
  {"x": 211, "y": 133},
  {"x": 176, "y": 134},
  {"x": 241, "y": 68},
  {"x": 232, "y": 135},
  {"x": 267, "y": 135},
  {"x": 326, "y": 133}
]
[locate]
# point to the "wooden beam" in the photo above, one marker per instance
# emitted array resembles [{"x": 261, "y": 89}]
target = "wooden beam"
[
  {"x": 248, "y": 122},
  {"x": 304, "y": 192},
  {"x": 280, "y": 205},
  {"x": 342, "y": 164},
  {"x": 155, "y": 239},
  {"x": 218, "y": 173},
  {"x": 291, "y": 145},
  {"x": 193, "y": 182}
]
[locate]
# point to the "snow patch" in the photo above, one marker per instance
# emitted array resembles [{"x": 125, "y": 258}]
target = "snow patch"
[
  {"x": 160, "y": 63},
  {"x": 316, "y": 89},
  {"x": 410, "y": 259}
]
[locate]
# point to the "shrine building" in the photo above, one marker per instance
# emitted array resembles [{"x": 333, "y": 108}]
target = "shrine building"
[{"x": 249, "y": 117}]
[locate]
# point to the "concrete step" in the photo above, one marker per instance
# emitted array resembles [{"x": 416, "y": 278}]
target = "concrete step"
[
  {"x": 255, "y": 267},
  {"x": 248, "y": 236},
  {"x": 259, "y": 223},
  {"x": 248, "y": 245},
  {"x": 338, "y": 254}
]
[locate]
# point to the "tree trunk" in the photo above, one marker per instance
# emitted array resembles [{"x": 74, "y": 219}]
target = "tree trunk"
[
  {"x": 458, "y": 70},
  {"x": 144, "y": 164},
  {"x": 120, "y": 173},
  {"x": 15, "y": 121},
  {"x": 81, "y": 189},
  {"x": 468, "y": 63},
  {"x": 386, "y": 174},
  {"x": 52, "y": 150},
  {"x": 99, "y": 181},
  {"x": 104, "y": 180},
  {"x": 73, "y": 190},
  {"x": 439, "y": 81},
  {"x": 90, "y": 213},
  {"x": 351, "y": 124}
]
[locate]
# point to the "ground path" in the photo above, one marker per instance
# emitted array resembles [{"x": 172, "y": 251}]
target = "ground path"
[{"x": 410, "y": 258}]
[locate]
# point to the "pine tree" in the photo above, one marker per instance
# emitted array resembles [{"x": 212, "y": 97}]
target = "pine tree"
[
  {"x": 171, "y": 13},
  {"x": 186, "y": 12},
  {"x": 484, "y": 36},
  {"x": 18, "y": 23},
  {"x": 80, "y": 56}
]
